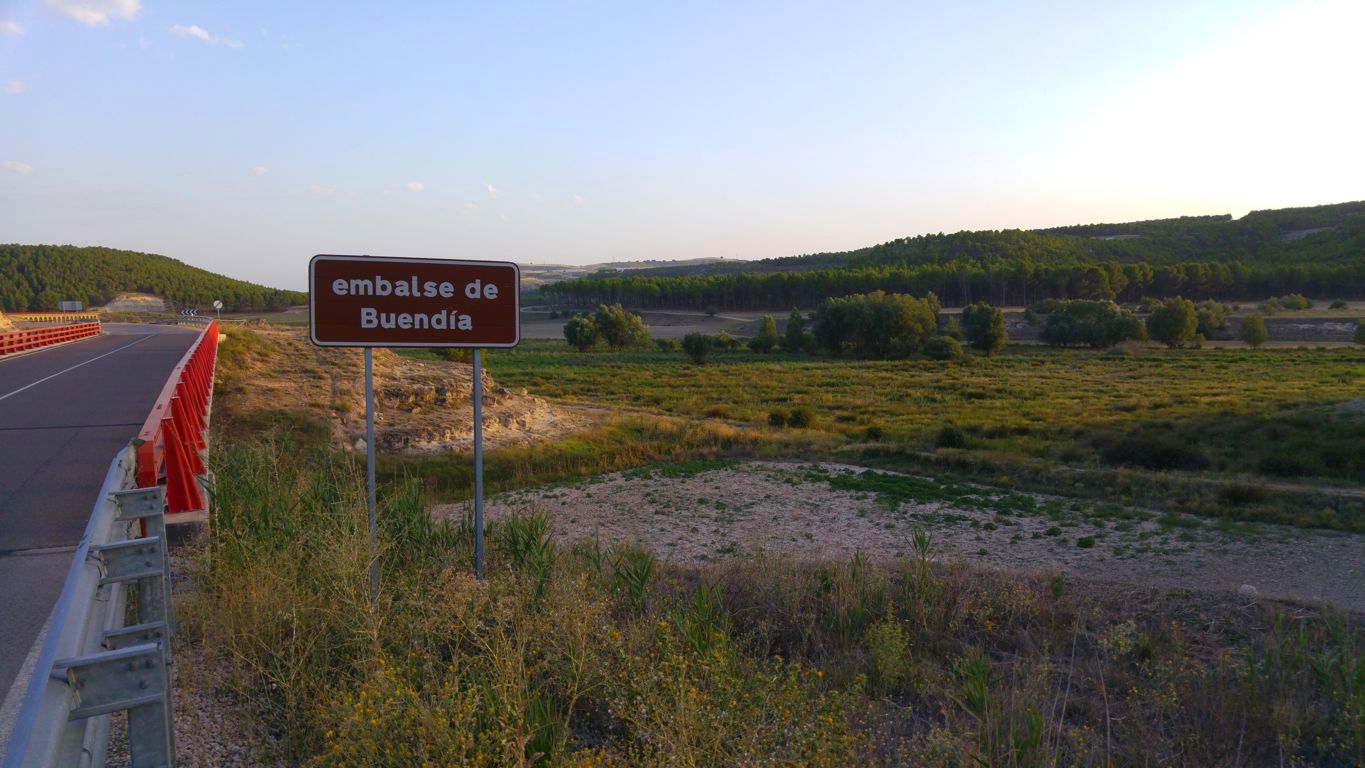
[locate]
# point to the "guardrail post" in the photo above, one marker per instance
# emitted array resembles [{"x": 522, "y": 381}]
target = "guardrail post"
[
  {"x": 147, "y": 508},
  {"x": 135, "y": 679}
]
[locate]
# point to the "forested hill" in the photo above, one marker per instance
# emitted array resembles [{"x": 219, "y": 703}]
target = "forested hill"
[
  {"x": 36, "y": 277},
  {"x": 1319, "y": 250}
]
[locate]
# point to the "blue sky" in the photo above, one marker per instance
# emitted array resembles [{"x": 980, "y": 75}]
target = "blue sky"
[{"x": 245, "y": 137}]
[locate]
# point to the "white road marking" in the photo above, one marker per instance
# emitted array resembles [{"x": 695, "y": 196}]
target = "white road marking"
[{"x": 74, "y": 367}]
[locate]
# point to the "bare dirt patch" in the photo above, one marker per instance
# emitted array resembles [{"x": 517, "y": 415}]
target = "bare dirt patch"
[
  {"x": 822, "y": 511},
  {"x": 421, "y": 406}
]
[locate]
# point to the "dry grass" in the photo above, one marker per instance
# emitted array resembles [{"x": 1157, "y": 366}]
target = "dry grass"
[{"x": 598, "y": 655}]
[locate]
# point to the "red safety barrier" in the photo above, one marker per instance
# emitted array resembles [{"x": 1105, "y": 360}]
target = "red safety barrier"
[
  {"x": 168, "y": 446},
  {"x": 33, "y": 338}
]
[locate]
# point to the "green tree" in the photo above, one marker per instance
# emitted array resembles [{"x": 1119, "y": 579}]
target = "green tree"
[
  {"x": 767, "y": 336},
  {"x": 620, "y": 328},
  {"x": 1253, "y": 330},
  {"x": 1174, "y": 323},
  {"x": 1360, "y": 332},
  {"x": 581, "y": 332},
  {"x": 877, "y": 324},
  {"x": 796, "y": 326},
  {"x": 984, "y": 327},
  {"x": 1095, "y": 324},
  {"x": 697, "y": 346}
]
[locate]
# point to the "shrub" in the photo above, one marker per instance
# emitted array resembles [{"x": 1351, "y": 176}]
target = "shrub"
[
  {"x": 888, "y": 649},
  {"x": 767, "y": 336},
  {"x": 1212, "y": 316},
  {"x": 1154, "y": 452},
  {"x": 620, "y": 328},
  {"x": 725, "y": 342},
  {"x": 952, "y": 328},
  {"x": 668, "y": 345},
  {"x": 1296, "y": 301},
  {"x": 1281, "y": 465},
  {"x": 710, "y": 310},
  {"x": 873, "y": 433},
  {"x": 1360, "y": 332},
  {"x": 1241, "y": 495},
  {"x": 1338, "y": 304},
  {"x": 796, "y": 324},
  {"x": 801, "y": 417},
  {"x": 1253, "y": 330},
  {"x": 581, "y": 333},
  {"x": 943, "y": 348},
  {"x": 1174, "y": 323},
  {"x": 950, "y": 437},
  {"x": 777, "y": 419},
  {"x": 697, "y": 346}
]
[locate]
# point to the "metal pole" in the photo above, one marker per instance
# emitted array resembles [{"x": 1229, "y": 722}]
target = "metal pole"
[
  {"x": 478, "y": 464},
  {"x": 369, "y": 475}
]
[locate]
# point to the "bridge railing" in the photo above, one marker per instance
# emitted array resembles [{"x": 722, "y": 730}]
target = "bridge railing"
[
  {"x": 168, "y": 445},
  {"x": 92, "y": 663},
  {"x": 33, "y": 338}
]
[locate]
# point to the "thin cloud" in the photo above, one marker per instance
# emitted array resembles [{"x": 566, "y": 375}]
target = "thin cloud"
[
  {"x": 321, "y": 189},
  {"x": 97, "y": 13},
  {"x": 492, "y": 191},
  {"x": 415, "y": 186},
  {"x": 15, "y": 87},
  {"x": 577, "y": 199},
  {"x": 259, "y": 171},
  {"x": 14, "y": 166},
  {"x": 9, "y": 28},
  {"x": 199, "y": 33},
  {"x": 470, "y": 208}
]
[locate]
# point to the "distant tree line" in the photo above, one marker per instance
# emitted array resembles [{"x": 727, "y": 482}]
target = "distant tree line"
[
  {"x": 1318, "y": 251},
  {"x": 37, "y": 277},
  {"x": 960, "y": 283}
]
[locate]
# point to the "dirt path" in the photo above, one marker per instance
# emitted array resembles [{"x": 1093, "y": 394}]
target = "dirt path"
[{"x": 830, "y": 511}]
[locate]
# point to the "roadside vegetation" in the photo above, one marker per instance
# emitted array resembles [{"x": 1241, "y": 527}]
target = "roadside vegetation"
[{"x": 598, "y": 654}]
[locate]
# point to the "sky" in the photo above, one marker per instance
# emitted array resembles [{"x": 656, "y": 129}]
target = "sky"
[{"x": 245, "y": 137}]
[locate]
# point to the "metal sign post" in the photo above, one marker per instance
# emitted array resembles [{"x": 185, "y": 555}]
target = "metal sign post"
[
  {"x": 371, "y": 301},
  {"x": 371, "y": 496},
  {"x": 478, "y": 463}
]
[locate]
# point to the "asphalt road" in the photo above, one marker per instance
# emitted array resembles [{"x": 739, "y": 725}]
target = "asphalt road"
[{"x": 64, "y": 413}]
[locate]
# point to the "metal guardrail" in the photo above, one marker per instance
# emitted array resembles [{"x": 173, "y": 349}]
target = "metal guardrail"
[
  {"x": 33, "y": 338},
  {"x": 171, "y": 438},
  {"x": 53, "y": 317},
  {"x": 92, "y": 663}
]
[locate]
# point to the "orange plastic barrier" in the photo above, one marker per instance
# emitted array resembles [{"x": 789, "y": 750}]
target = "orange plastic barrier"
[
  {"x": 33, "y": 338},
  {"x": 169, "y": 444}
]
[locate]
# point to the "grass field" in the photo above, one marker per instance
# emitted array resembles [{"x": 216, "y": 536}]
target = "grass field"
[
  {"x": 596, "y": 652},
  {"x": 1267, "y": 435}
]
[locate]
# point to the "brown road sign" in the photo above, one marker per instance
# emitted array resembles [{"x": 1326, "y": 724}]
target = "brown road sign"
[{"x": 373, "y": 301}]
